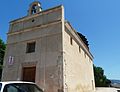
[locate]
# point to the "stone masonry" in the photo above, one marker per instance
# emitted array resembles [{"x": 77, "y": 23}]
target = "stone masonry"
[{"x": 63, "y": 63}]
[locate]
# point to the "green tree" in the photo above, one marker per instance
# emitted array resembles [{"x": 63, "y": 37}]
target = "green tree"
[
  {"x": 2, "y": 52},
  {"x": 84, "y": 39},
  {"x": 100, "y": 78}
]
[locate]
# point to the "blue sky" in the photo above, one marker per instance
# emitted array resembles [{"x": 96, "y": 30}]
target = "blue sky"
[{"x": 98, "y": 20}]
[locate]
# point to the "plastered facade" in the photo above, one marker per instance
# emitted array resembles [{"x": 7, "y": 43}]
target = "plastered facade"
[
  {"x": 78, "y": 64},
  {"x": 60, "y": 66}
]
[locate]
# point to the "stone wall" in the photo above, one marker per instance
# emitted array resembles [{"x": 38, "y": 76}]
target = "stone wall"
[
  {"x": 46, "y": 31},
  {"x": 78, "y": 65},
  {"x": 60, "y": 65}
]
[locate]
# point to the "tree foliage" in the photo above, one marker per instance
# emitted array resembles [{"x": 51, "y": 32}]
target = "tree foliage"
[
  {"x": 100, "y": 78},
  {"x": 84, "y": 39},
  {"x": 2, "y": 52}
]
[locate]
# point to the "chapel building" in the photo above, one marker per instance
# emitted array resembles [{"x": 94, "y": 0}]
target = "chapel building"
[{"x": 43, "y": 47}]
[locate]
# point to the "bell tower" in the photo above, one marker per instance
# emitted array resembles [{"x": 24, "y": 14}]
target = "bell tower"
[{"x": 34, "y": 7}]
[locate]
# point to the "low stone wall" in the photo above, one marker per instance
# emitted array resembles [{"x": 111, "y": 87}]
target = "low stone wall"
[{"x": 107, "y": 89}]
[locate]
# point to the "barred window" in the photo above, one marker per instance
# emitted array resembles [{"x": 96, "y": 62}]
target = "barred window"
[{"x": 30, "y": 47}]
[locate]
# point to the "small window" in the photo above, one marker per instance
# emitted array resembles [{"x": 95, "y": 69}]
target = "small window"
[
  {"x": 0, "y": 86},
  {"x": 33, "y": 20},
  {"x": 79, "y": 49},
  {"x": 85, "y": 55},
  {"x": 71, "y": 40},
  {"x": 92, "y": 84},
  {"x": 30, "y": 47}
]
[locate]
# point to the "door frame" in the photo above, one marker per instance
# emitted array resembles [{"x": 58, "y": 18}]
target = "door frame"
[{"x": 22, "y": 75}]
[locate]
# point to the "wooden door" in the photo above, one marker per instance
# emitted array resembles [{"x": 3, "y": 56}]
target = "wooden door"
[{"x": 29, "y": 74}]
